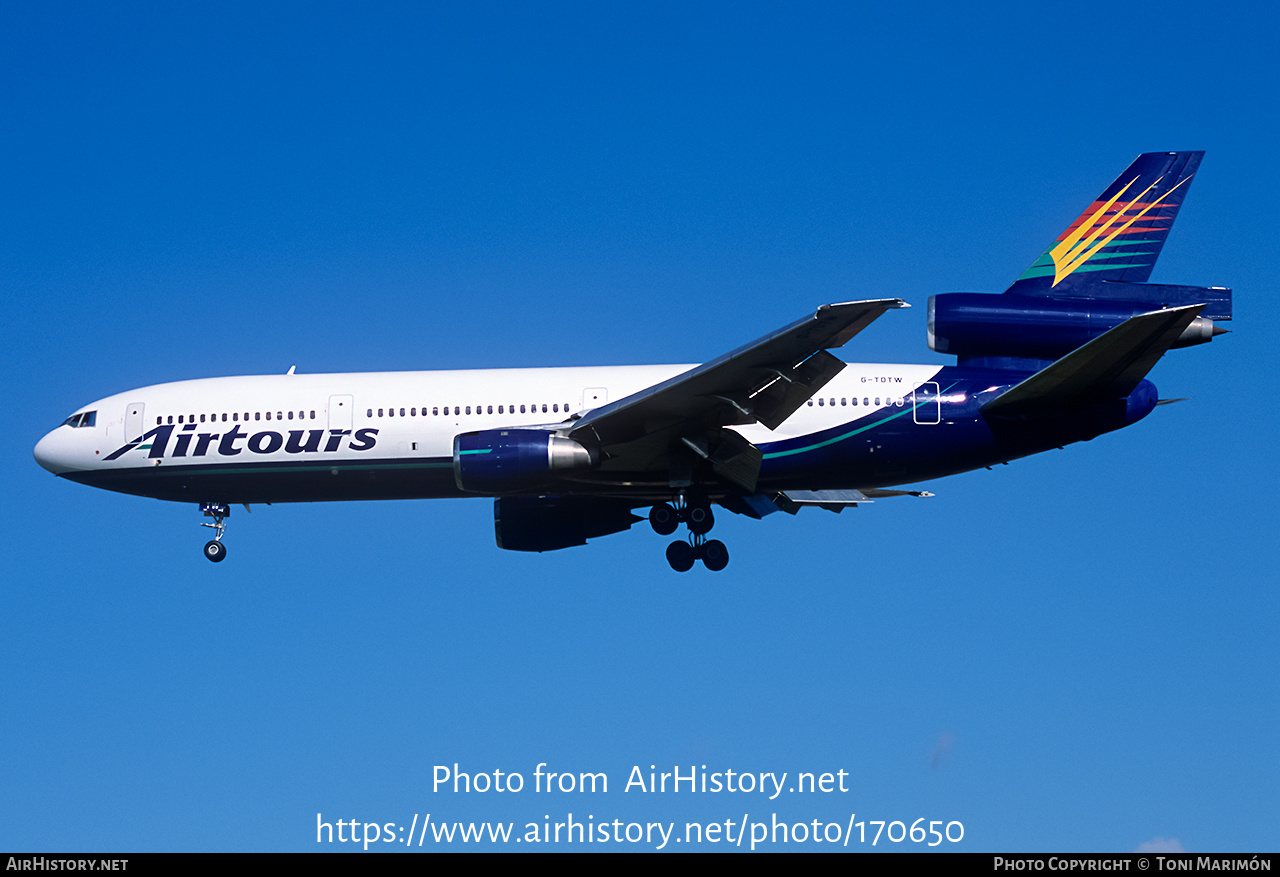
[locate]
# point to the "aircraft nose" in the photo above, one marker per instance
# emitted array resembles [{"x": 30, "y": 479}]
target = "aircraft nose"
[{"x": 52, "y": 451}]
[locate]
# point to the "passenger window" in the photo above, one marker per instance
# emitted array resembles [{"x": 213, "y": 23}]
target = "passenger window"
[
  {"x": 159, "y": 420},
  {"x": 402, "y": 412},
  {"x": 522, "y": 409},
  {"x": 435, "y": 412},
  {"x": 291, "y": 415},
  {"x": 499, "y": 409},
  {"x": 413, "y": 412},
  {"x": 544, "y": 407},
  {"x": 468, "y": 409},
  {"x": 257, "y": 415}
]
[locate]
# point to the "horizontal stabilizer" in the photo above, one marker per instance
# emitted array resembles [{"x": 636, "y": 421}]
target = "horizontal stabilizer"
[{"x": 1108, "y": 367}]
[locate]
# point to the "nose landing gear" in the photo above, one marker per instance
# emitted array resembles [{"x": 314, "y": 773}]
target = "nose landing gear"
[
  {"x": 214, "y": 549},
  {"x": 665, "y": 518}
]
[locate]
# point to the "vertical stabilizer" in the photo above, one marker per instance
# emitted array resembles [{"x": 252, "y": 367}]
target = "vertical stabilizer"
[{"x": 1119, "y": 236}]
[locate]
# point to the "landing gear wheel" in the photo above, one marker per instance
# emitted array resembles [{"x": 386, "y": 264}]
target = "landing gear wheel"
[
  {"x": 680, "y": 556},
  {"x": 663, "y": 519},
  {"x": 699, "y": 519},
  {"x": 214, "y": 549},
  {"x": 715, "y": 556}
]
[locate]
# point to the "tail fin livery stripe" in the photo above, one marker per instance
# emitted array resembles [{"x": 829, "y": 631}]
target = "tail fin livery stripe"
[
  {"x": 1078, "y": 247},
  {"x": 1120, "y": 234}
]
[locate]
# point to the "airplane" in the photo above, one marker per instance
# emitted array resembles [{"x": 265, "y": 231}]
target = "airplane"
[{"x": 780, "y": 424}]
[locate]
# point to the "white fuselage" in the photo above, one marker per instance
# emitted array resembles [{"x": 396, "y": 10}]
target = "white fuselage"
[{"x": 389, "y": 416}]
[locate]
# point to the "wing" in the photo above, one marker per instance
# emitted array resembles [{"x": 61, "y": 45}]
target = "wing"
[{"x": 681, "y": 420}]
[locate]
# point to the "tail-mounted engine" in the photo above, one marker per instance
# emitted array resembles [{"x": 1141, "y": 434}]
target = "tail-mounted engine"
[{"x": 972, "y": 325}]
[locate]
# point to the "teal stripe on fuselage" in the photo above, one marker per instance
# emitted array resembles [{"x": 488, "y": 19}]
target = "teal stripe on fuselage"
[{"x": 861, "y": 429}]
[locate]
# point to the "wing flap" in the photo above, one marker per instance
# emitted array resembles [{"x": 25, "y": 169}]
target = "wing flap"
[{"x": 780, "y": 398}]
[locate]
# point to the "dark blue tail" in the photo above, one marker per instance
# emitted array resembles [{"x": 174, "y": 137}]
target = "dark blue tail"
[
  {"x": 1092, "y": 278},
  {"x": 1119, "y": 236}
]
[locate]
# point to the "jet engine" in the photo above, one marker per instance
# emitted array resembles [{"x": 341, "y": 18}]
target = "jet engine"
[
  {"x": 511, "y": 460},
  {"x": 549, "y": 523},
  {"x": 968, "y": 324}
]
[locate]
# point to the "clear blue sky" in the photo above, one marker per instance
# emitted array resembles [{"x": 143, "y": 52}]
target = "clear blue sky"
[{"x": 1074, "y": 652}]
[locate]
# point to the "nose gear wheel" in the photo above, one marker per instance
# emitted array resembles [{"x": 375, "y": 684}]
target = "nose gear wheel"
[{"x": 214, "y": 549}]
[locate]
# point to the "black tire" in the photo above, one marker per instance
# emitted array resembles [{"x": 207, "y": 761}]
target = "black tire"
[
  {"x": 215, "y": 551},
  {"x": 680, "y": 556},
  {"x": 699, "y": 519},
  {"x": 663, "y": 519},
  {"x": 715, "y": 556}
]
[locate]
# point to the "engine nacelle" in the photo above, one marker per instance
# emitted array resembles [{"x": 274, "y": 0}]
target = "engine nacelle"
[
  {"x": 549, "y": 523},
  {"x": 972, "y": 324},
  {"x": 510, "y": 460}
]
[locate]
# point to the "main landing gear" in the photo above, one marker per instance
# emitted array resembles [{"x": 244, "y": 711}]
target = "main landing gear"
[
  {"x": 665, "y": 518},
  {"x": 214, "y": 549}
]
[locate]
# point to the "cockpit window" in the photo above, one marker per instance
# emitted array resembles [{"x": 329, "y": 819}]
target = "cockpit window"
[{"x": 84, "y": 418}]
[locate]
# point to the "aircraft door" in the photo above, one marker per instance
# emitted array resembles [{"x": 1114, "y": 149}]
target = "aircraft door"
[
  {"x": 594, "y": 397},
  {"x": 341, "y": 411},
  {"x": 926, "y": 408},
  {"x": 134, "y": 421}
]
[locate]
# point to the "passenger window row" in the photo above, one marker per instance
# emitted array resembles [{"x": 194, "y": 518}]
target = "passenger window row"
[
  {"x": 866, "y": 400},
  {"x": 445, "y": 410},
  {"x": 235, "y": 417}
]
